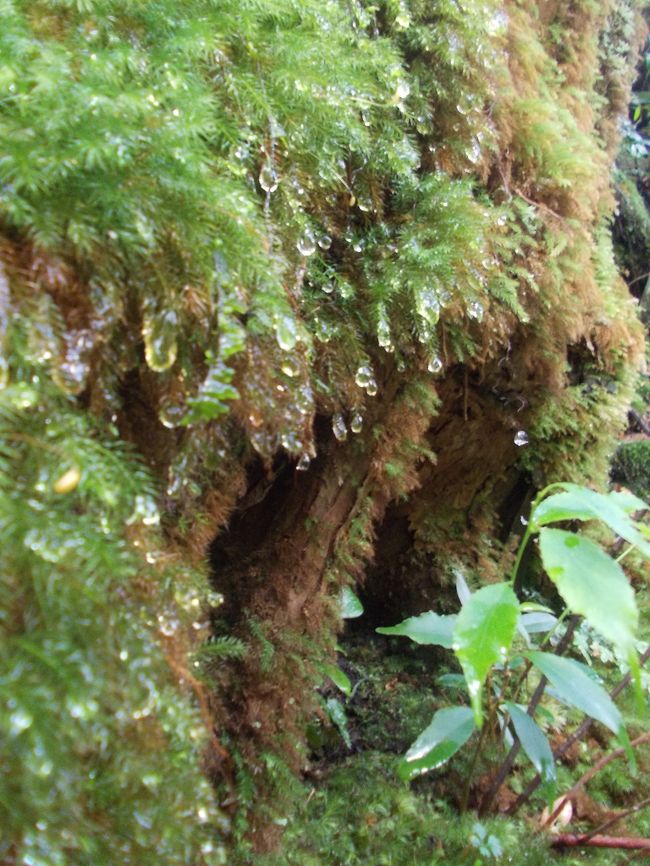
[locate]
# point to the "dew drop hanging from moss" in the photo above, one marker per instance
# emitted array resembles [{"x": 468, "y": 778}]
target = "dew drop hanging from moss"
[
  {"x": 338, "y": 427},
  {"x": 383, "y": 335},
  {"x": 306, "y": 243},
  {"x": 435, "y": 364},
  {"x": 290, "y": 367},
  {"x": 160, "y": 333},
  {"x": 521, "y": 438},
  {"x": 268, "y": 177},
  {"x": 356, "y": 422},
  {"x": 324, "y": 242},
  {"x": 475, "y": 311},
  {"x": 303, "y": 463},
  {"x": 286, "y": 332}
]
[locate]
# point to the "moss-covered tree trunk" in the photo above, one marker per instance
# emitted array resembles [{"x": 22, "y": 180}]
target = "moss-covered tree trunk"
[{"x": 341, "y": 276}]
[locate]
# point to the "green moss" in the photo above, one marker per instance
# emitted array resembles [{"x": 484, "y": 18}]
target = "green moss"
[{"x": 631, "y": 466}]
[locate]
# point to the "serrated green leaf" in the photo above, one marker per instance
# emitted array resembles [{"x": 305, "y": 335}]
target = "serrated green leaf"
[
  {"x": 483, "y": 634},
  {"x": 592, "y": 584},
  {"x": 428, "y": 628},
  {"x": 449, "y": 730},
  {"x": 580, "y": 503},
  {"x": 575, "y": 688},
  {"x": 533, "y": 741},
  {"x": 351, "y": 607}
]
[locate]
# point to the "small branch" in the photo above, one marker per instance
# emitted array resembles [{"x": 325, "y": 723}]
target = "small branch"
[
  {"x": 470, "y": 772},
  {"x": 637, "y": 279},
  {"x": 589, "y": 775},
  {"x": 574, "y": 840},
  {"x": 578, "y": 734},
  {"x": 619, "y": 817},
  {"x": 539, "y": 204}
]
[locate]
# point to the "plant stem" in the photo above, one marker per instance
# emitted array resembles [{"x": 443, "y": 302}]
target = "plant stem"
[
  {"x": 591, "y": 772},
  {"x": 465, "y": 800},
  {"x": 573, "y": 840},
  {"x": 509, "y": 761},
  {"x": 607, "y": 824}
]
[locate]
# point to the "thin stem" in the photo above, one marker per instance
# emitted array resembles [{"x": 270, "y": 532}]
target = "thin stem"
[
  {"x": 465, "y": 800},
  {"x": 530, "y": 528},
  {"x": 520, "y": 552},
  {"x": 625, "y": 553},
  {"x": 619, "y": 817},
  {"x": 589, "y": 775}
]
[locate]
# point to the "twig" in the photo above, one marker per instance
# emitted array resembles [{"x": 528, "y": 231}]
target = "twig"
[
  {"x": 573, "y": 840},
  {"x": 470, "y": 772},
  {"x": 619, "y": 817},
  {"x": 539, "y": 204},
  {"x": 589, "y": 775},
  {"x": 578, "y": 734},
  {"x": 636, "y": 279}
]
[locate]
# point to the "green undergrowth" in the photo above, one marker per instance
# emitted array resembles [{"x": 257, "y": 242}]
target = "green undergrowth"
[{"x": 354, "y": 810}]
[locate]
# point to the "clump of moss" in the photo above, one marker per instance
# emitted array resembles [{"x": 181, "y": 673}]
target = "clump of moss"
[{"x": 631, "y": 466}]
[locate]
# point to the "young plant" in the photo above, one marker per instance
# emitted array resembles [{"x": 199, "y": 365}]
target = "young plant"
[{"x": 592, "y": 585}]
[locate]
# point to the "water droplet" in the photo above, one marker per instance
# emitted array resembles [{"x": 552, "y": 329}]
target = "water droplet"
[
  {"x": 523, "y": 520},
  {"x": 521, "y": 438},
  {"x": 323, "y": 330},
  {"x": 338, "y": 427},
  {"x": 364, "y": 376},
  {"x": 68, "y": 481},
  {"x": 356, "y": 422},
  {"x": 171, "y": 412},
  {"x": 328, "y": 287},
  {"x": 428, "y": 305},
  {"x": 475, "y": 311},
  {"x": 303, "y": 463},
  {"x": 159, "y": 333},
  {"x": 19, "y": 721},
  {"x": 502, "y": 220},
  {"x": 473, "y": 152},
  {"x": 402, "y": 90},
  {"x": 435, "y": 364},
  {"x": 324, "y": 242},
  {"x": 306, "y": 243},
  {"x": 145, "y": 510},
  {"x": 167, "y": 625},
  {"x": 286, "y": 332},
  {"x": 290, "y": 367},
  {"x": 383, "y": 335},
  {"x": 268, "y": 177}
]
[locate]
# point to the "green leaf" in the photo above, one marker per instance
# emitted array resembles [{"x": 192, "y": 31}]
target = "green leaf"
[
  {"x": 580, "y": 503},
  {"x": 337, "y": 715},
  {"x": 576, "y": 688},
  {"x": 449, "y": 730},
  {"x": 351, "y": 607},
  {"x": 534, "y": 743},
  {"x": 539, "y": 621},
  {"x": 483, "y": 634},
  {"x": 428, "y": 628},
  {"x": 338, "y": 677},
  {"x": 592, "y": 584}
]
